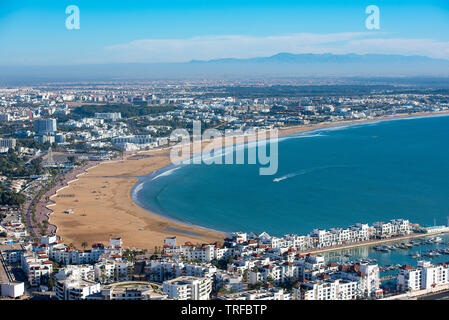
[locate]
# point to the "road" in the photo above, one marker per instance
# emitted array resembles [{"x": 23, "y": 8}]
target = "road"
[
  {"x": 41, "y": 207},
  {"x": 437, "y": 296}
]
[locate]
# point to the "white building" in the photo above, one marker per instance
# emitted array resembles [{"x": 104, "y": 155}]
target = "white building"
[
  {"x": 188, "y": 288},
  {"x": 36, "y": 267},
  {"x": 230, "y": 282},
  {"x": 131, "y": 292},
  {"x": 109, "y": 270},
  {"x": 170, "y": 241},
  {"x": 12, "y": 289},
  {"x": 76, "y": 272},
  {"x": 317, "y": 290},
  {"x": 109, "y": 116},
  {"x": 8, "y": 143},
  {"x": 206, "y": 253},
  {"x": 262, "y": 294},
  {"x": 75, "y": 289},
  {"x": 366, "y": 276},
  {"x": 424, "y": 277}
]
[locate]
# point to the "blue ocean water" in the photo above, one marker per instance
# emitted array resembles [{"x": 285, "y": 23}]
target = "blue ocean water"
[{"x": 331, "y": 177}]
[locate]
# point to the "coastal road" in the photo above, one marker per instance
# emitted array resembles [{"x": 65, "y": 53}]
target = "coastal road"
[
  {"x": 437, "y": 296},
  {"x": 41, "y": 206}
]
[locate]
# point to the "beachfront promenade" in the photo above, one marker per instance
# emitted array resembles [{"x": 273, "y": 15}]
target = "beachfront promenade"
[
  {"x": 42, "y": 207},
  {"x": 42, "y": 212}
]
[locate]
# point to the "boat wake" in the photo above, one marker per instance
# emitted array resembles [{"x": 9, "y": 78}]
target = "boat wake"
[
  {"x": 302, "y": 172},
  {"x": 290, "y": 175}
]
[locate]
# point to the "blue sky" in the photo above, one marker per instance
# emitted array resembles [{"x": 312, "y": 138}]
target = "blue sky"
[{"x": 34, "y": 32}]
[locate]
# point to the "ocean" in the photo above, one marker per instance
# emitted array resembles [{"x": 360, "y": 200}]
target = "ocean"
[{"x": 332, "y": 177}]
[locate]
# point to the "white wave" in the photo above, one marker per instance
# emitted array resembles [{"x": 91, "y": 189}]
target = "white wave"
[
  {"x": 338, "y": 128},
  {"x": 302, "y": 136},
  {"x": 166, "y": 173},
  {"x": 138, "y": 188}
]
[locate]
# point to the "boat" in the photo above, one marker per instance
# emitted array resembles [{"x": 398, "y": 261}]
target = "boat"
[
  {"x": 433, "y": 254},
  {"x": 384, "y": 249},
  {"x": 438, "y": 240}
]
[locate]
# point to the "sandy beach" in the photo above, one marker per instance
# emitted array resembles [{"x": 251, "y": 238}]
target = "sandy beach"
[{"x": 102, "y": 206}]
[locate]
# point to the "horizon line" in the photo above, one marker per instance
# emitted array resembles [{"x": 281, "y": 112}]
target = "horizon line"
[{"x": 228, "y": 58}]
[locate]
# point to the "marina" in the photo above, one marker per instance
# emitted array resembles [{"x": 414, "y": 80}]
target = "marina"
[{"x": 390, "y": 257}]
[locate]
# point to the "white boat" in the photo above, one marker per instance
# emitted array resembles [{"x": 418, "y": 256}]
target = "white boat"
[{"x": 438, "y": 239}]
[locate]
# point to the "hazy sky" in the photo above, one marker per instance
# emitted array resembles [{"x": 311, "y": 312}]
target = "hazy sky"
[{"x": 35, "y": 33}]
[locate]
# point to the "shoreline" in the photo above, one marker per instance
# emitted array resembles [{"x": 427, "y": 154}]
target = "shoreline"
[
  {"x": 167, "y": 216},
  {"x": 118, "y": 214}
]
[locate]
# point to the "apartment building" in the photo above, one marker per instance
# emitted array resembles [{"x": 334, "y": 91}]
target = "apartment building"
[
  {"x": 200, "y": 270},
  {"x": 36, "y": 267},
  {"x": 8, "y": 143},
  {"x": 64, "y": 254},
  {"x": 163, "y": 270},
  {"x": 327, "y": 289},
  {"x": 425, "y": 276},
  {"x": 108, "y": 270},
  {"x": 265, "y": 273},
  {"x": 113, "y": 116},
  {"x": 76, "y": 272},
  {"x": 365, "y": 275},
  {"x": 188, "y": 288},
  {"x": 12, "y": 253},
  {"x": 396, "y": 227},
  {"x": 317, "y": 290},
  {"x": 205, "y": 253},
  {"x": 261, "y": 294},
  {"x": 131, "y": 292},
  {"x": 45, "y": 125},
  {"x": 70, "y": 289},
  {"x": 12, "y": 289},
  {"x": 233, "y": 282}
]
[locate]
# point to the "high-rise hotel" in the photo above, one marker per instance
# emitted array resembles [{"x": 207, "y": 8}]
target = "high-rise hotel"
[{"x": 45, "y": 125}]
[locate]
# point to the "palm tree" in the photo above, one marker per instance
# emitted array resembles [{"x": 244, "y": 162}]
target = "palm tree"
[{"x": 84, "y": 244}]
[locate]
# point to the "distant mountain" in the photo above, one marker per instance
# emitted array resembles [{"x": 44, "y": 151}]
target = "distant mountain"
[
  {"x": 291, "y": 58},
  {"x": 279, "y": 65}
]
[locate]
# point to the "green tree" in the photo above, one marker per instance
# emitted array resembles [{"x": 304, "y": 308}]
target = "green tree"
[{"x": 50, "y": 283}]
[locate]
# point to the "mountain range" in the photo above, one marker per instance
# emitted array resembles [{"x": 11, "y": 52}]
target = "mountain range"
[{"x": 278, "y": 65}]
